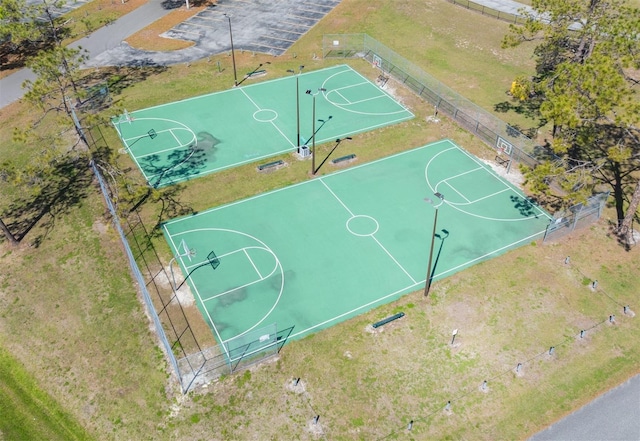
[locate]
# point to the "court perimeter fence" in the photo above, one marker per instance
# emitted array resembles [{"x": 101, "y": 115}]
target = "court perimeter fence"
[
  {"x": 486, "y": 10},
  {"x": 577, "y": 216},
  {"x": 192, "y": 364},
  {"x": 490, "y": 129}
]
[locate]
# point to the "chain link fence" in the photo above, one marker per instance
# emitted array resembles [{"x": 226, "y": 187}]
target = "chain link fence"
[
  {"x": 505, "y": 139},
  {"x": 576, "y": 217},
  {"x": 486, "y": 10},
  {"x": 511, "y": 145},
  {"x": 192, "y": 364}
]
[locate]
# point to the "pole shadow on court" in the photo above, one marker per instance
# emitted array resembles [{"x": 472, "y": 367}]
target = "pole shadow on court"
[{"x": 444, "y": 233}]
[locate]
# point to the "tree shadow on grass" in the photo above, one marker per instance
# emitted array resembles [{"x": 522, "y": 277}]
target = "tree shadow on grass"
[
  {"x": 119, "y": 78},
  {"x": 66, "y": 186},
  {"x": 530, "y": 109}
]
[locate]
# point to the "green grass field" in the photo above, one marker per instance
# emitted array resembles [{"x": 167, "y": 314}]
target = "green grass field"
[
  {"x": 73, "y": 328},
  {"x": 28, "y": 412}
]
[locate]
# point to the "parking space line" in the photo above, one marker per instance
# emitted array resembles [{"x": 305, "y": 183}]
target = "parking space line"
[
  {"x": 315, "y": 4},
  {"x": 203, "y": 17},
  {"x": 314, "y": 11},
  {"x": 279, "y": 39},
  {"x": 200, "y": 25},
  {"x": 318, "y": 5},
  {"x": 270, "y": 47},
  {"x": 303, "y": 18},
  {"x": 186, "y": 32},
  {"x": 295, "y": 24},
  {"x": 286, "y": 30},
  {"x": 276, "y": 38}
]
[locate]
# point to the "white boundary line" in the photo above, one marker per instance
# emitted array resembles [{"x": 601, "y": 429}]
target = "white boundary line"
[
  {"x": 126, "y": 149},
  {"x": 290, "y": 143},
  {"x": 264, "y": 247},
  {"x": 345, "y": 107},
  {"x": 405, "y": 289},
  {"x": 195, "y": 289},
  {"x": 365, "y": 306},
  {"x": 503, "y": 181},
  {"x": 235, "y": 89},
  {"x": 456, "y": 206},
  {"x": 309, "y": 182}
]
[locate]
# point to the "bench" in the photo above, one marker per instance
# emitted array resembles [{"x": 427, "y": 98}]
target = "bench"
[
  {"x": 502, "y": 161},
  {"x": 270, "y": 165},
  {"x": 343, "y": 158},
  {"x": 257, "y": 73},
  {"x": 388, "y": 319},
  {"x": 382, "y": 79}
]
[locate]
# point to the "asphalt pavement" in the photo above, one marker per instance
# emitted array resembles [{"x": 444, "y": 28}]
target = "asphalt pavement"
[
  {"x": 104, "y": 39},
  {"x": 613, "y": 416},
  {"x": 265, "y": 26}
]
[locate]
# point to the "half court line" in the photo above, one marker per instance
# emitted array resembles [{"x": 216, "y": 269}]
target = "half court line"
[
  {"x": 394, "y": 259},
  {"x": 337, "y": 198},
  {"x": 374, "y": 238}
]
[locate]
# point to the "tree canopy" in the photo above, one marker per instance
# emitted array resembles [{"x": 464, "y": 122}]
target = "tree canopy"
[
  {"x": 57, "y": 69},
  {"x": 587, "y": 84}
]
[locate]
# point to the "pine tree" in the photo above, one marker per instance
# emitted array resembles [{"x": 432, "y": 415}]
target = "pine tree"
[{"x": 587, "y": 81}]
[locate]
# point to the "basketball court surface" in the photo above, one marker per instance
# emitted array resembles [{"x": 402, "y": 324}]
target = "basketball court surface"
[{"x": 313, "y": 254}]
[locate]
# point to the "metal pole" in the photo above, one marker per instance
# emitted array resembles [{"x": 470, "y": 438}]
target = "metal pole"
[
  {"x": 427, "y": 285},
  {"x": 298, "y": 111},
  {"x": 233, "y": 55},
  {"x": 313, "y": 139}
]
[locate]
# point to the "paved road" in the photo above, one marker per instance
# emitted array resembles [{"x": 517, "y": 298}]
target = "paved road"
[
  {"x": 258, "y": 26},
  {"x": 614, "y": 416},
  {"x": 266, "y": 26},
  {"x": 103, "y": 39}
]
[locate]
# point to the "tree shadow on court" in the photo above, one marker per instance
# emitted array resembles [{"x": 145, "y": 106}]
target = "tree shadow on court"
[
  {"x": 171, "y": 207},
  {"x": 63, "y": 188},
  {"x": 180, "y": 164},
  {"x": 526, "y": 206}
]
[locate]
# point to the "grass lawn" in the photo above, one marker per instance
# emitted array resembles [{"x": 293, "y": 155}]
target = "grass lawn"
[
  {"x": 27, "y": 411},
  {"x": 73, "y": 329}
]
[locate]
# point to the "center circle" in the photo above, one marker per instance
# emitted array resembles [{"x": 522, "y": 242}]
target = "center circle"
[
  {"x": 265, "y": 115},
  {"x": 362, "y": 225}
]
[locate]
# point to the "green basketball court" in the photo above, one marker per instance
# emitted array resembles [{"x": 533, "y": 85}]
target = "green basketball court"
[
  {"x": 181, "y": 140},
  {"x": 314, "y": 254}
]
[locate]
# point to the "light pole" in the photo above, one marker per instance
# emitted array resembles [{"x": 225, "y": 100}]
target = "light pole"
[
  {"x": 297, "y": 105},
  {"x": 427, "y": 285},
  {"x": 233, "y": 54},
  {"x": 313, "y": 136}
]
